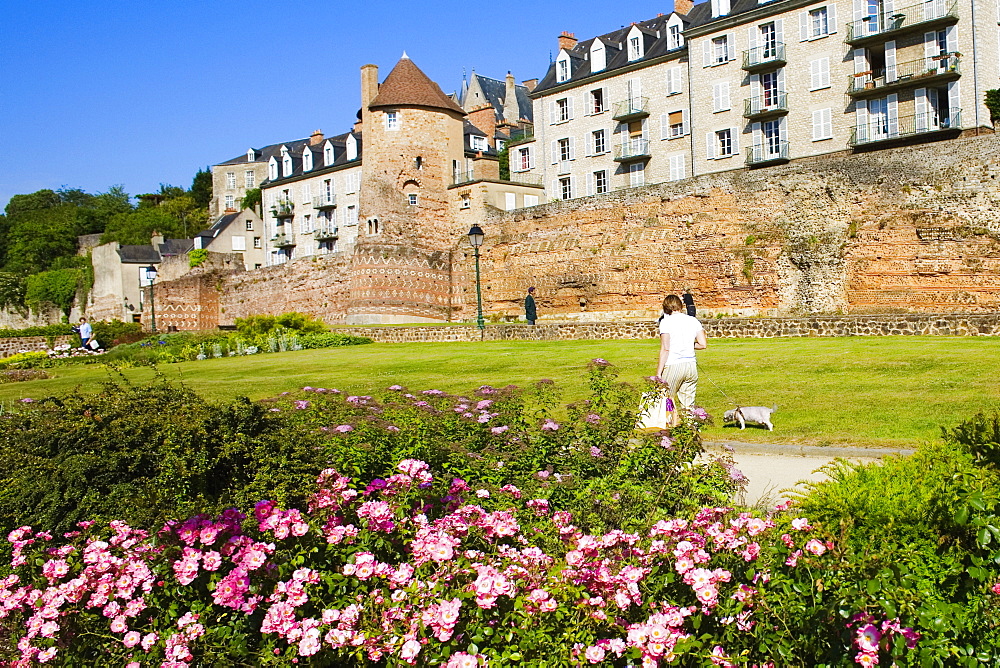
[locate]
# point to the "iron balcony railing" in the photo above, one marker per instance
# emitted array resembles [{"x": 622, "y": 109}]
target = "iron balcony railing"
[
  {"x": 283, "y": 240},
  {"x": 764, "y": 56},
  {"x": 282, "y": 209},
  {"x": 515, "y": 177},
  {"x": 910, "y": 73},
  {"x": 887, "y": 128},
  {"x": 325, "y": 201},
  {"x": 633, "y": 107},
  {"x": 881, "y": 24},
  {"x": 519, "y": 135},
  {"x": 765, "y": 105},
  {"x": 769, "y": 151},
  {"x": 633, "y": 149},
  {"x": 326, "y": 232}
]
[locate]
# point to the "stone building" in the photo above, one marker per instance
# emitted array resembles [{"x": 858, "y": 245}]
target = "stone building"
[
  {"x": 233, "y": 178},
  {"x": 241, "y": 232},
  {"x": 727, "y": 84}
]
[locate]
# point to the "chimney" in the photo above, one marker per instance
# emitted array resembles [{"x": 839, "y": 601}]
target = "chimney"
[
  {"x": 316, "y": 137},
  {"x": 511, "y": 110},
  {"x": 484, "y": 117},
  {"x": 369, "y": 85},
  {"x": 567, "y": 40},
  {"x": 530, "y": 84},
  {"x": 683, "y": 7}
]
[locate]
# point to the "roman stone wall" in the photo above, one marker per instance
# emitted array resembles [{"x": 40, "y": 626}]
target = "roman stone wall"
[
  {"x": 907, "y": 229},
  {"x": 727, "y": 328}
]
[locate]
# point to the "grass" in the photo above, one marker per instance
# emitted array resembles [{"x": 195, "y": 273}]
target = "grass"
[{"x": 875, "y": 392}]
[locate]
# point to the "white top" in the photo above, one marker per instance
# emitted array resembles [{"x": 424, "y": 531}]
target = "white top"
[
  {"x": 682, "y": 329},
  {"x": 86, "y": 331}
]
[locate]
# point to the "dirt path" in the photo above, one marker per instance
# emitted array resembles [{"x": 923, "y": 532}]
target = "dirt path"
[{"x": 773, "y": 469}]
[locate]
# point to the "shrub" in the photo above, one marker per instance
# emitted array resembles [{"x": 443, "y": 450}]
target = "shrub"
[
  {"x": 50, "y": 331},
  {"x": 259, "y": 325},
  {"x": 58, "y": 288},
  {"x": 331, "y": 340},
  {"x": 30, "y": 359},
  {"x": 197, "y": 257},
  {"x": 110, "y": 334}
]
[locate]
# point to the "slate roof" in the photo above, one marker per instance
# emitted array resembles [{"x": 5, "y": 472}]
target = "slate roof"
[
  {"x": 655, "y": 46},
  {"x": 471, "y": 130},
  {"x": 138, "y": 254},
  {"x": 220, "y": 225},
  {"x": 265, "y": 153},
  {"x": 339, "y": 157},
  {"x": 495, "y": 91},
  {"x": 407, "y": 85},
  {"x": 176, "y": 246}
]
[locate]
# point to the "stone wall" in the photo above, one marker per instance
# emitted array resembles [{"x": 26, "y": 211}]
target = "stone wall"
[
  {"x": 970, "y": 324},
  {"x": 15, "y": 345}
]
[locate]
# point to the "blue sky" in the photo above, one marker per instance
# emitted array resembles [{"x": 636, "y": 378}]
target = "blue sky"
[{"x": 96, "y": 94}]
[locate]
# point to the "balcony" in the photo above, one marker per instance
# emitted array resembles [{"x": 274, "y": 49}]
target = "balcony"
[
  {"x": 765, "y": 106},
  {"x": 764, "y": 57},
  {"x": 631, "y": 109},
  {"x": 882, "y": 26},
  {"x": 470, "y": 176},
  {"x": 923, "y": 72},
  {"x": 325, "y": 201},
  {"x": 632, "y": 150},
  {"x": 768, "y": 153},
  {"x": 886, "y": 129},
  {"x": 283, "y": 240},
  {"x": 327, "y": 232},
  {"x": 282, "y": 209},
  {"x": 521, "y": 135}
]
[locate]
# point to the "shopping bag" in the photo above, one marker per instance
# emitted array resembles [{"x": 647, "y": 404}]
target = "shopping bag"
[
  {"x": 653, "y": 410},
  {"x": 94, "y": 345}
]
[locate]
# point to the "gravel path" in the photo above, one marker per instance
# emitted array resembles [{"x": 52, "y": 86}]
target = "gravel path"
[{"x": 773, "y": 468}]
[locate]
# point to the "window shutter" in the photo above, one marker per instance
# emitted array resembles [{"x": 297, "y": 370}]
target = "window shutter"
[
  {"x": 860, "y": 64},
  {"x": 754, "y": 85},
  {"x": 758, "y": 137},
  {"x": 590, "y": 183},
  {"x": 814, "y": 74},
  {"x": 531, "y": 158},
  {"x": 706, "y": 52},
  {"x": 555, "y": 152},
  {"x": 951, "y": 37},
  {"x": 817, "y": 124},
  {"x": 569, "y": 102},
  {"x": 890, "y": 60},
  {"x": 664, "y": 126},
  {"x": 645, "y": 129},
  {"x": 920, "y": 106},
  {"x": 824, "y": 72},
  {"x": 828, "y": 123},
  {"x": 572, "y": 148},
  {"x": 892, "y": 104},
  {"x": 861, "y": 119},
  {"x": 831, "y": 18},
  {"x": 724, "y": 95},
  {"x": 552, "y": 112},
  {"x": 716, "y": 96},
  {"x": 710, "y": 145},
  {"x": 930, "y": 47},
  {"x": 954, "y": 99},
  {"x": 684, "y": 121},
  {"x": 803, "y": 26},
  {"x": 779, "y": 31},
  {"x": 752, "y": 32},
  {"x": 731, "y": 45},
  {"x": 860, "y": 9},
  {"x": 889, "y": 7},
  {"x": 735, "y": 134},
  {"x": 781, "y": 80},
  {"x": 556, "y": 190}
]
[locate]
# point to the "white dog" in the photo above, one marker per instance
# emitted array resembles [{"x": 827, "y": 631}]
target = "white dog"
[{"x": 744, "y": 414}]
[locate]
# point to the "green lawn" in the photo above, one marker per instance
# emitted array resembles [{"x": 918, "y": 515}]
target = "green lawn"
[{"x": 880, "y": 391}]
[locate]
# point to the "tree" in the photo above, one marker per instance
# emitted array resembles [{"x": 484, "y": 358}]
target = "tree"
[
  {"x": 137, "y": 226},
  {"x": 201, "y": 188},
  {"x": 251, "y": 200},
  {"x": 36, "y": 238},
  {"x": 187, "y": 211},
  {"x": 42, "y": 199}
]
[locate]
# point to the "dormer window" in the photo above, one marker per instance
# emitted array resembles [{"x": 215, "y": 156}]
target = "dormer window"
[
  {"x": 562, "y": 68},
  {"x": 307, "y": 159},
  {"x": 598, "y": 57},
  {"x": 675, "y": 39},
  {"x": 251, "y": 155},
  {"x": 478, "y": 143},
  {"x": 392, "y": 120},
  {"x": 286, "y": 164},
  {"x": 352, "y": 147},
  {"x": 720, "y": 8},
  {"x": 636, "y": 44},
  {"x": 328, "y": 154},
  {"x": 272, "y": 169}
]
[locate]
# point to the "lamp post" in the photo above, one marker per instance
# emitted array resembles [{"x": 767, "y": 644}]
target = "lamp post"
[
  {"x": 476, "y": 237},
  {"x": 151, "y": 276}
]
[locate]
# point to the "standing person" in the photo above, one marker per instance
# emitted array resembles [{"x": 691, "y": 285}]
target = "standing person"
[
  {"x": 680, "y": 336},
  {"x": 86, "y": 333},
  {"x": 689, "y": 302},
  {"x": 529, "y": 307}
]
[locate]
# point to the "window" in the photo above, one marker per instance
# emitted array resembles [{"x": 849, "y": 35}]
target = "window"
[
  {"x": 478, "y": 143},
  {"x": 724, "y": 143},
  {"x": 598, "y": 57},
  {"x": 819, "y": 73},
  {"x": 249, "y": 226},
  {"x": 239, "y": 243},
  {"x": 597, "y": 101},
  {"x": 352, "y": 215},
  {"x": 230, "y": 180},
  {"x": 564, "y": 152},
  {"x": 418, "y": 162},
  {"x": 600, "y": 142},
  {"x": 251, "y": 155},
  {"x": 562, "y": 110},
  {"x": 230, "y": 202},
  {"x": 769, "y": 41},
  {"x": 772, "y": 138},
  {"x": 412, "y": 197},
  {"x": 524, "y": 159},
  {"x": 720, "y": 97},
  {"x": 257, "y": 243},
  {"x": 601, "y": 182},
  {"x": 328, "y": 189},
  {"x": 249, "y": 179},
  {"x": 307, "y": 159},
  {"x": 562, "y": 69},
  {"x": 566, "y": 188},
  {"x": 636, "y": 175},
  {"x": 392, "y": 120},
  {"x": 509, "y": 201},
  {"x": 677, "y": 169},
  {"x": 818, "y": 22},
  {"x": 531, "y": 200},
  {"x": 674, "y": 38},
  {"x": 769, "y": 90},
  {"x": 307, "y": 224},
  {"x": 466, "y": 202},
  {"x": 328, "y": 156},
  {"x": 720, "y": 50},
  {"x": 501, "y": 143},
  {"x": 373, "y": 226},
  {"x": 822, "y": 124},
  {"x": 272, "y": 170},
  {"x": 676, "y": 124},
  {"x": 286, "y": 165},
  {"x": 634, "y": 47},
  {"x": 675, "y": 80}
]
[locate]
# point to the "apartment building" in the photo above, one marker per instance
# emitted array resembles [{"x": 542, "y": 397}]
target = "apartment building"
[
  {"x": 233, "y": 178},
  {"x": 724, "y": 85}
]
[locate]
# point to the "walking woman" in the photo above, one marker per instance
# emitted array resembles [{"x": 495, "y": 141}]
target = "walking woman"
[{"x": 680, "y": 336}]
